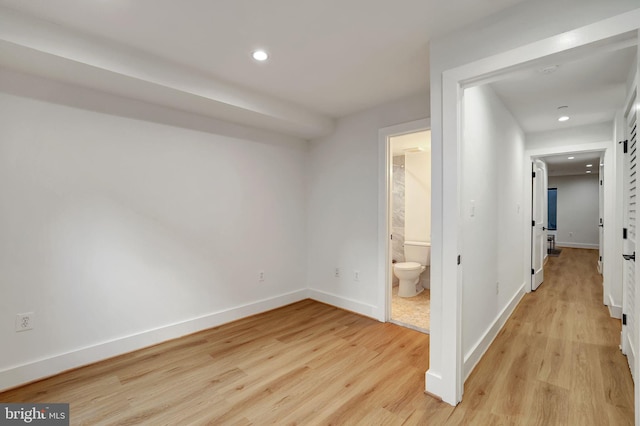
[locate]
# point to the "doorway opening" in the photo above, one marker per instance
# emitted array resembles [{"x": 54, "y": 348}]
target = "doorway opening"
[
  {"x": 449, "y": 353},
  {"x": 410, "y": 220},
  {"x": 567, "y": 201},
  {"x": 405, "y": 224}
]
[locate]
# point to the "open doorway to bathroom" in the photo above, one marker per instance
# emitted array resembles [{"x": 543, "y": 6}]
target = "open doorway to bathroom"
[{"x": 410, "y": 228}]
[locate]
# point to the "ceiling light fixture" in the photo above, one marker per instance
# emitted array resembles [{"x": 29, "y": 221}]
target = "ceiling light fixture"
[
  {"x": 562, "y": 113},
  {"x": 589, "y": 165},
  {"x": 570, "y": 158},
  {"x": 260, "y": 55},
  {"x": 588, "y": 171},
  {"x": 549, "y": 70}
]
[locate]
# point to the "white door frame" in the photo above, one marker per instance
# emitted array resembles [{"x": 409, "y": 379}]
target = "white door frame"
[
  {"x": 384, "y": 209},
  {"x": 631, "y": 330},
  {"x": 446, "y": 363},
  {"x": 607, "y": 148}
]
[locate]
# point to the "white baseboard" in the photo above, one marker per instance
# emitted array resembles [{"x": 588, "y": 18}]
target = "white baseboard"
[
  {"x": 35, "y": 370},
  {"x": 433, "y": 383},
  {"x": 344, "y": 303},
  {"x": 577, "y": 245},
  {"x": 615, "y": 311},
  {"x": 472, "y": 357}
]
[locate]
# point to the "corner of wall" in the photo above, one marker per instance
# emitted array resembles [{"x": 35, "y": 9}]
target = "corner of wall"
[
  {"x": 346, "y": 304},
  {"x": 21, "y": 374}
]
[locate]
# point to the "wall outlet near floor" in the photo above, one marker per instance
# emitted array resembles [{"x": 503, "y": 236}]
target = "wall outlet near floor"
[
  {"x": 337, "y": 273},
  {"x": 24, "y": 321},
  {"x": 571, "y": 234},
  {"x": 260, "y": 275},
  {"x": 356, "y": 275}
]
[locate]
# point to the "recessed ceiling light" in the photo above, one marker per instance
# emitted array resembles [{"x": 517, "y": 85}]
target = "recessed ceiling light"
[
  {"x": 570, "y": 158},
  {"x": 588, "y": 171},
  {"x": 260, "y": 55},
  {"x": 562, "y": 110},
  {"x": 589, "y": 165}
]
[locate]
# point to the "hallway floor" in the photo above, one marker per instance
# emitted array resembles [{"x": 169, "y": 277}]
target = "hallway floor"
[{"x": 557, "y": 360}]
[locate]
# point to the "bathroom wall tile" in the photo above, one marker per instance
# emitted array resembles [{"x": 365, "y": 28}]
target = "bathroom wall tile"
[{"x": 398, "y": 201}]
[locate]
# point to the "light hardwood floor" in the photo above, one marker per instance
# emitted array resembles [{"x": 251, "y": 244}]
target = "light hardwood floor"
[{"x": 556, "y": 362}]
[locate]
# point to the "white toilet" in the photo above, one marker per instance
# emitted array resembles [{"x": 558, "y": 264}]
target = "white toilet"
[{"x": 417, "y": 257}]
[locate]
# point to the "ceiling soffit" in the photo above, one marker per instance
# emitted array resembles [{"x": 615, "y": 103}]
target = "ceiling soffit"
[{"x": 42, "y": 48}]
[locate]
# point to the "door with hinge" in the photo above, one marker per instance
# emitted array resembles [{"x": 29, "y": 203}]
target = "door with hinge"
[
  {"x": 601, "y": 214},
  {"x": 629, "y": 320},
  {"x": 538, "y": 223}
]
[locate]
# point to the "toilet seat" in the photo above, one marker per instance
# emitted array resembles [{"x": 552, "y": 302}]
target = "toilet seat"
[{"x": 408, "y": 266}]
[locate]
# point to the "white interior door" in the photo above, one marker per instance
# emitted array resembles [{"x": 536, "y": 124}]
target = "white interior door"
[
  {"x": 539, "y": 223},
  {"x": 629, "y": 320},
  {"x": 601, "y": 215}
]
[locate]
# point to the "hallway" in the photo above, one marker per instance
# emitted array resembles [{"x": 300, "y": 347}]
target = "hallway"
[{"x": 557, "y": 360}]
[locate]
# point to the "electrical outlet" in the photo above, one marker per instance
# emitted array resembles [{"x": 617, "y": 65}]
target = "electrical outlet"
[
  {"x": 260, "y": 275},
  {"x": 571, "y": 234},
  {"x": 497, "y": 287},
  {"x": 337, "y": 273},
  {"x": 356, "y": 275},
  {"x": 24, "y": 321}
]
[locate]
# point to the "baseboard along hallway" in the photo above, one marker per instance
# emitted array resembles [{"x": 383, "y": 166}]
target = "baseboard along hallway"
[{"x": 556, "y": 361}]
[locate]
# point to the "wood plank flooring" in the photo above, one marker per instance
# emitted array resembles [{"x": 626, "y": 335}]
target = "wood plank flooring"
[{"x": 555, "y": 362}]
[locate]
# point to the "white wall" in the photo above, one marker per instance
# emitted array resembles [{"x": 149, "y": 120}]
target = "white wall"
[
  {"x": 492, "y": 218},
  {"x": 343, "y": 175},
  {"x": 592, "y": 133},
  {"x": 578, "y": 210},
  {"x": 417, "y": 167},
  {"x": 587, "y": 138},
  {"x": 119, "y": 233},
  {"x": 486, "y": 46}
]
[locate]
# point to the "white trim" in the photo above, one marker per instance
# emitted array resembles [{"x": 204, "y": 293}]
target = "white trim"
[
  {"x": 474, "y": 355},
  {"x": 446, "y": 350},
  {"x": 577, "y": 245},
  {"x": 433, "y": 383},
  {"x": 384, "y": 227},
  {"x": 615, "y": 311},
  {"x": 563, "y": 149},
  {"x": 46, "y": 367},
  {"x": 344, "y": 303},
  {"x": 446, "y": 330},
  {"x": 609, "y": 191}
]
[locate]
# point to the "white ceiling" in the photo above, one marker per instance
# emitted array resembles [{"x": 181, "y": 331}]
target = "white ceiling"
[
  {"x": 561, "y": 165},
  {"x": 329, "y": 58},
  {"x": 593, "y": 88}
]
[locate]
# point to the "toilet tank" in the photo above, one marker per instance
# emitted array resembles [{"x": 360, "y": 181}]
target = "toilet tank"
[{"x": 417, "y": 251}]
